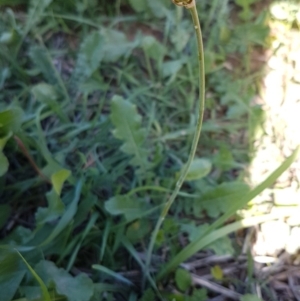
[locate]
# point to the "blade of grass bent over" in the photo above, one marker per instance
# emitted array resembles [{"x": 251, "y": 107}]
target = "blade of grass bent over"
[
  {"x": 210, "y": 235},
  {"x": 46, "y": 295},
  {"x": 111, "y": 273}
]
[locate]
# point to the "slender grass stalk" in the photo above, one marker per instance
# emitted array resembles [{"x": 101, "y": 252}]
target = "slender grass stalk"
[{"x": 191, "y": 6}]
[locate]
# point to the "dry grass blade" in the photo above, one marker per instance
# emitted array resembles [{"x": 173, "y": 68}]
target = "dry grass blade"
[{"x": 216, "y": 287}]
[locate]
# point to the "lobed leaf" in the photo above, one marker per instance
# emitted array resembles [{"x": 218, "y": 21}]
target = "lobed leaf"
[
  {"x": 217, "y": 200},
  {"x": 79, "y": 288},
  {"x": 128, "y": 127},
  {"x": 130, "y": 206},
  {"x": 36, "y": 9}
]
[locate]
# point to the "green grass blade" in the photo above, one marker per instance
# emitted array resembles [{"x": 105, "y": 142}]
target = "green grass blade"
[
  {"x": 105, "y": 237},
  {"x": 111, "y": 273},
  {"x": 46, "y": 295},
  {"x": 134, "y": 254},
  {"x": 239, "y": 203},
  {"x": 88, "y": 228},
  {"x": 66, "y": 218},
  {"x": 210, "y": 235}
]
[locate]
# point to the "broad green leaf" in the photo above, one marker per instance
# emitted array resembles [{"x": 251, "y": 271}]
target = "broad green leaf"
[
  {"x": 5, "y": 210},
  {"x": 224, "y": 159},
  {"x": 159, "y": 8},
  {"x": 236, "y": 111},
  {"x": 9, "y": 284},
  {"x": 222, "y": 246},
  {"x": 171, "y": 68},
  {"x": 250, "y": 297},
  {"x": 199, "y": 169},
  {"x": 148, "y": 295},
  {"x": 128, "y": 127},
  {"x": 183, "y": 279},
  {"x": 138, "y": 230},
  {"x": 10, "y": 120},
  {"x": 139, "y": 5},
  {"x": 199, "y": 295},
  {"x": 79, "y": 288},
  {"x": 130, "y": 206},
  {"x": 52, "y": 167},
  {"x": 211, "y": 234},
  {"x": 46, "y": 295},
  {"x": 54, "y": 210},
  {"x": 94, "y": 84},
  {"x": 58, "y": 179},
  {"x": 180, "y": 37},
  {"x": 116, "y": 45},
  {"x": 251, "y": 33},
  {"x": 19, "y": 236},
  {"x": 153, "y": 48},
  {"x": 219, "y": 199},
  {"x": 11, "y": 274},
  {"x": 31, "y": 292}
]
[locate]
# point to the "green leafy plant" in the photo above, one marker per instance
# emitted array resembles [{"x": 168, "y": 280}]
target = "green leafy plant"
[
  {"x": 89, "y": 164},
  {"x": 127, "y": 124}
]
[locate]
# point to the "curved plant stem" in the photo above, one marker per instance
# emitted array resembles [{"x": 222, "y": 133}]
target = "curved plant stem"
[{"x": 196, "y": 23}]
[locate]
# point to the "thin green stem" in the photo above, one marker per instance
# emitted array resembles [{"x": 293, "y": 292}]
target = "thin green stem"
[
  {"x": 183, "y": 175},
  {"x": 160, "y": 189}
]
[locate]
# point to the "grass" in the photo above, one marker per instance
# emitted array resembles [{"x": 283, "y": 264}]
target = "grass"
[{"x": 100, "y": 100}]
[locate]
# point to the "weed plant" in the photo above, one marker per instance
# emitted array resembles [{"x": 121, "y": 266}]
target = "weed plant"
[{"x": 98, "y": 110}]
